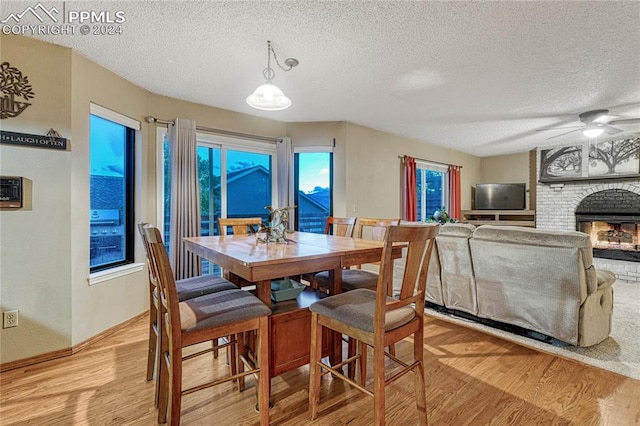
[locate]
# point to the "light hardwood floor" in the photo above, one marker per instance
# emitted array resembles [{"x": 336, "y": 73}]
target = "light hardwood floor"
[{"x": 472, "y": 379}]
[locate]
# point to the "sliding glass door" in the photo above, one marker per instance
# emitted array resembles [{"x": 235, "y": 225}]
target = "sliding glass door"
[{"x": 244, "y": 189}]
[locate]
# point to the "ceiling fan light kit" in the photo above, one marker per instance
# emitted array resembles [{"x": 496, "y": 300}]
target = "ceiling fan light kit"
[
  {"x": 593, "y": 132},
  {"x": 268, "y": 96},
  {"x": 595, "y": 123}
]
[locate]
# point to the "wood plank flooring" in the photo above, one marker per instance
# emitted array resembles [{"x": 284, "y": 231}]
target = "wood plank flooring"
[{"x": 472, "y": 379}]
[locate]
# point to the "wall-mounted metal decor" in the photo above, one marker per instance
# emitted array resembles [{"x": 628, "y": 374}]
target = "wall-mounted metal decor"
[
  {"x": 13, "y": 84},
  {"x": 36, "y": 141}
]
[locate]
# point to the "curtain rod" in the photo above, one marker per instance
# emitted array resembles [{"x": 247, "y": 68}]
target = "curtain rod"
[
  {"x": 427, "y": 161},
  {"x": 151, "y": 119}
]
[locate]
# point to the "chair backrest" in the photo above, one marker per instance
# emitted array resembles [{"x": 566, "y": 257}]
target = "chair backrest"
[
  {"x": 239, "y": 226},
  {"x": 342, "y": 226},
  {"x": 376, "y": 227},
  {"x": 145, "y": 245},
  {"x": 419, "y": 241},
  {"x": 162, "y": 272}
]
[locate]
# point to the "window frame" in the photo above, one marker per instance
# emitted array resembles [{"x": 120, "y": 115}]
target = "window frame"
[
  {"x": 296, "y": 174},
  {"x": 428, "y": 166},
  {"x": 132, "y": 127}
]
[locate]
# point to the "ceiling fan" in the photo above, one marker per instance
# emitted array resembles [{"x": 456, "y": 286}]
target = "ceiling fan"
[{"x": 594, "y": 123}]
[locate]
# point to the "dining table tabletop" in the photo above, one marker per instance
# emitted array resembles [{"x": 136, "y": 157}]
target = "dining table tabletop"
[{"x": 303, "y": 252}]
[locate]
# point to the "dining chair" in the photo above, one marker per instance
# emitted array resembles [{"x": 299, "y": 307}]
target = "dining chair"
[
  {"x": 352, "y": 279},
  {"x": 374, "y": 319},
  {"x": 239, "y": 226},
  {"x": 339, "y": 226},
  {"x": 186, "y": 289},
  {"x": 201, "y": 319}
]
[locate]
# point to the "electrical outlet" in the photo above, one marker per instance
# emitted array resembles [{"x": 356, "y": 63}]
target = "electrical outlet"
[{"x": 10, "y": 319}]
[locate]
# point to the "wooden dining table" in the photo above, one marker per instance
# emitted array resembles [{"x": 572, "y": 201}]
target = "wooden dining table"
[{"x": 245, "y": 258}]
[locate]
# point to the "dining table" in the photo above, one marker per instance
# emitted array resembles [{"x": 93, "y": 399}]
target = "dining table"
[{"x": 245, "y": 258}]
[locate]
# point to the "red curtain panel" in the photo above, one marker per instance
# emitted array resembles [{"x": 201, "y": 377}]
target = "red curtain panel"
[
  {"x": 454, "y": 191},
  {"x": 410, "y": 192}
]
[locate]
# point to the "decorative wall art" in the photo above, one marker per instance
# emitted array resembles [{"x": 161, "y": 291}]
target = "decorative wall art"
[
  {"x": 14, "y": 85},
  {"x": 612, "y": 158},
  {"x": 561, "y": 163},
  {"x": 615, "y": 157}
]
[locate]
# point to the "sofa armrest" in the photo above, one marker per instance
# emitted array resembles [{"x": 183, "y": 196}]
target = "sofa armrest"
[{"x": 605, "y": 278}]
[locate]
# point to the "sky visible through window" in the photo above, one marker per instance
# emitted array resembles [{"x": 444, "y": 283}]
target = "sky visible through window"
[
  {"x": 314, "y": 171},
  {"x": 107, "y": 147}
]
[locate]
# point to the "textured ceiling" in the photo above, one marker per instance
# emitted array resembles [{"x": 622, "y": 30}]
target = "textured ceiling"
[{"x": 479, "y": 77}]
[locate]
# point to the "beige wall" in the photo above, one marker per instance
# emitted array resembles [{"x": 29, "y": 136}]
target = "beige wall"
[
  {"x": 512, "y": 168},
  {"x": 373, "y": 171},
  {"x": 35, "y": 241},
  {"x": 103, "y": 305}
]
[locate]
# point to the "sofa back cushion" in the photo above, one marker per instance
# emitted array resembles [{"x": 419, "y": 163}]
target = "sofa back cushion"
[
  {"x": 456, "y": 271},
  {"x": 532, "y": 278}
]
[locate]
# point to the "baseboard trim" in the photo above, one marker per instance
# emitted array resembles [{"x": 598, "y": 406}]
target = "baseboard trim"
[{"x": 61, "y": 353}]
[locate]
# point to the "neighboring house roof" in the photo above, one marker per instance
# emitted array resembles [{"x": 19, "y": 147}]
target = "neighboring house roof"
[
  {"x": 239, "y": 174},
  {"x": 311, "y": 200},
  {"x": 106, "y": 192}
]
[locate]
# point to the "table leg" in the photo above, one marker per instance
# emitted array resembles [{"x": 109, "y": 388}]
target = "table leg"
[{"x": 263, "y": 291}]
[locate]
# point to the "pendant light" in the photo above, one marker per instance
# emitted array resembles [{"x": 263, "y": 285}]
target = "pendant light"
[{"x": 268, "y": 96}]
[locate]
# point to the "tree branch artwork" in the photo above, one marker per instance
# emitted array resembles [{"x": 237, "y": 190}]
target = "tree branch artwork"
[
  {"x": 561, "y": 163},
  {"x": 13, "y": 84},
  {"x": 616, "y": 156}
]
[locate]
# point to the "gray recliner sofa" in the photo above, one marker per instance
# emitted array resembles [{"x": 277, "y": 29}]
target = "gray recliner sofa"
[{"x": 539, "y": 280}]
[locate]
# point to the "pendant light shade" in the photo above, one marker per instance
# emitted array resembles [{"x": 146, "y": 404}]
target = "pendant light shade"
[{"x": 268, "y": 96}]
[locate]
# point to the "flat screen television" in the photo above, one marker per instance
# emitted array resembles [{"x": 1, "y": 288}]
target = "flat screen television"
[{"x": 500, "y": 196}]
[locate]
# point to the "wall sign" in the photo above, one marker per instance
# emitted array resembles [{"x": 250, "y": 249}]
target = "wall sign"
[
  {"x": 13, "y": 84},
  {"x": 36, "y": 141}
]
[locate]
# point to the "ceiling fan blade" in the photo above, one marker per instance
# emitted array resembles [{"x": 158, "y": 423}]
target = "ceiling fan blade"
[
  {"x": 610, "y": 130},
  {"x": 556, "y": 128},
  {"x": 562, "y": 134},
  {"x": 626, "y": 121}
]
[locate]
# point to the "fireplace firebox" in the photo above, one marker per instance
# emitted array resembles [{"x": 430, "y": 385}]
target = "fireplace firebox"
[{"x": 612, "y": 219}]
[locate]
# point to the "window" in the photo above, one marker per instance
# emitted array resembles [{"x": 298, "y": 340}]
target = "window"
[
  {"x": 313, "y": 193},
  {"x": 433, "y": 189},
  {"x": 112, "y": 227}
]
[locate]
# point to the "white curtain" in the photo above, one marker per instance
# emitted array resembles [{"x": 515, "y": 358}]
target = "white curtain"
[
  {"x": 185, "y": 197},
  {"x": 284, "y": 155}
]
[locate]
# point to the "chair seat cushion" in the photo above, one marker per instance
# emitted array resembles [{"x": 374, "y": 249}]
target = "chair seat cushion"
[
  {"x": 357, "y": 307},
  {"x": 189, "y": 288},
  {"x": 223, "y": 307},
  {"x": 351, "y": 279}
]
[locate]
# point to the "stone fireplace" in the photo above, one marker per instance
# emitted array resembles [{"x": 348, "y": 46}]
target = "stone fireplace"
[{"x": 609, "y": 211}]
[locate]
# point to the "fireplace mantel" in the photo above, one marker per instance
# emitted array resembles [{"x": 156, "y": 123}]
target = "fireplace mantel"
[{"x": 582, "y": 180}]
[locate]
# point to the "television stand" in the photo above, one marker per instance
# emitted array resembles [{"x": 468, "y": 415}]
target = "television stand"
[{"x": 500, "y": 217}]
